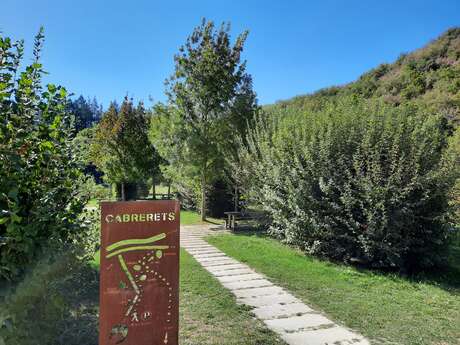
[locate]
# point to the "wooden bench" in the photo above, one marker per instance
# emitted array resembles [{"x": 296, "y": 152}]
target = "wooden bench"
[
  {"x": 232, "y": 217},
  {"x": 160, "y": 196}
]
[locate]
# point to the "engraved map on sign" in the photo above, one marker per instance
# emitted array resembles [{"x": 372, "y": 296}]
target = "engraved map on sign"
[{"x": 139, "y": 273}]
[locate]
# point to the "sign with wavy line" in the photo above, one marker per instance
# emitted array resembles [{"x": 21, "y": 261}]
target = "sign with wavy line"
[{"x": 139, "y": 273}]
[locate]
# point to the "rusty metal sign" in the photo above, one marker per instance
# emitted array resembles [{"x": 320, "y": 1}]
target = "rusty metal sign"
[{"x": 139, "y": 273}]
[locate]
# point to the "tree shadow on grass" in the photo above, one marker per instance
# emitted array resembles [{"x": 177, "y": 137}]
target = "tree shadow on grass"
[
  {"x": 81, "y": 294},
  {"x": 214, "y": 222}
]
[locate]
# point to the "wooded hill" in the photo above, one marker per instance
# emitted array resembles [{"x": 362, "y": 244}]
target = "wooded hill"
[{"x": 429, "y": 76}]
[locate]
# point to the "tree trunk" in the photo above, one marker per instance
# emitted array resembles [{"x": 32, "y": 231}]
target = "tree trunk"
[
  {"x": 123, "y": 192},
  {"x": 203, "y": 196},
  {"x": 154, "y": 189},
  {"x": 169, "y": 190},
  {"x": 236, "y": 199}
]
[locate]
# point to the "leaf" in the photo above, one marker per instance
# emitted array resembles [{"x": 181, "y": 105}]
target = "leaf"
[{"x": 15, "y": 218}]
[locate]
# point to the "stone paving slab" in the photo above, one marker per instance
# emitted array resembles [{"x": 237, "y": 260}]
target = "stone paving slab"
[
  {"x": 295, "y": 322},
  {"x": 329, "y": 336},
  {"x": 218, "y": 262},
  {"x": 226, "y": 268},
  {"x": 209, "y": 255},
  {"x": 240, "y": 277},
  {"x": 238, "y": 271},
  {"x": 215, "y": 259},
  {"x": 202, "y": 252},
  {"x": 245, "y": 284},
  {"x": 299, "y": 323},
  {"x": 263, "y": 291},
  {"x": 275, "y": 311},
  {"x": 262, "y": 301},
  {"x": 198, "y": 246}
]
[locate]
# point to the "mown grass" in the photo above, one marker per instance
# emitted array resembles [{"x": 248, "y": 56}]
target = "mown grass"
[
  {"x": 384, "y": 307},
  {"x": 209, "y": 314},
  {"x": 193, "y": 218},
  {"x": 161, "y": 189}
]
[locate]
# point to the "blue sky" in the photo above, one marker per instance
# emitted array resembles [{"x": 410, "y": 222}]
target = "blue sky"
[{"x": 112, "y": 48}]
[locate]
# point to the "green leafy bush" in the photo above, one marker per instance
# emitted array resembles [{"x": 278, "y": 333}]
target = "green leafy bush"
[
  {"x": 356, "y": 182},
  {"x": 39, "y": 175},
  {"x": 95, "y": 191}
]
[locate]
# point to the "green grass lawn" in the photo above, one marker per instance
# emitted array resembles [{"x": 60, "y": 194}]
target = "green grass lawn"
[
  {"x": 193, "y": 218},
  {"x": 209, "y": 314},
  {"x": 161, "y": 189},
  {"x": 384, "y": 307}
]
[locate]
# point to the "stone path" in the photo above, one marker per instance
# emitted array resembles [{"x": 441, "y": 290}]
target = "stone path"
[{"x": 283, "y": 313}]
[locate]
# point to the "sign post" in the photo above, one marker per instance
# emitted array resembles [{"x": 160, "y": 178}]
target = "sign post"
[{"x": 139, "y": 301}]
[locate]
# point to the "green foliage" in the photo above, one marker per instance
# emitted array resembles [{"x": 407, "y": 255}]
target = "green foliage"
[
  {"x": 357, "y": 182},
  {"x": 121, "y": 147},
  {"x": 86, "y": 112},
  {"x": 429, "y": 77},
  {"x": 39, "y": 173},
  {"x": 95, "y": 191},
  {"x": 82, "y": 144},
  {"x": 210, "y": 101}
]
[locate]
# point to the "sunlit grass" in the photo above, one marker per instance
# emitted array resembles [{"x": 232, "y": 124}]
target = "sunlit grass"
[
  {"x": 193, "y": 218},
  {"x": 209, "y": 314},
  {"x": 380, "y": 306}
]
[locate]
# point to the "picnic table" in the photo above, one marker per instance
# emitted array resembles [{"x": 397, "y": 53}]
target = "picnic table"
[
  {"x": 163, "y": 196},
  {"x": 232, "y": 217}
]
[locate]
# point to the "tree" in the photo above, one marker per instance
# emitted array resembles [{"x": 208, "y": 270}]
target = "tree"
[
  {"x": 82, "y": 146},
  {"x": 121, "y": 148},
  {"x": 86, "y": 112},
  {"x": 210, "y": 100},
  {"x": 39, "y": 173}
]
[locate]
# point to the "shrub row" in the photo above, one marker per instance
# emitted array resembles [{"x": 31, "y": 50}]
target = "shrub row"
[{"x": 357, "y": 182}]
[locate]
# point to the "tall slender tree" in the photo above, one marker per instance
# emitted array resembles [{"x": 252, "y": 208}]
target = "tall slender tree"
[{"x": 211, "y": 99}]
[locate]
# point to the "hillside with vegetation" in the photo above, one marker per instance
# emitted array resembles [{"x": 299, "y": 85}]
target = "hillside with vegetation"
[{"x": 429, "y": 76}]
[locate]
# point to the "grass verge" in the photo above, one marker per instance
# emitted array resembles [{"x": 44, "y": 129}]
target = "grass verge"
[
  {"x": 209, "y": 314},
  {"x": 384, "y": 307},
  {"x": 193, "y": 218}
]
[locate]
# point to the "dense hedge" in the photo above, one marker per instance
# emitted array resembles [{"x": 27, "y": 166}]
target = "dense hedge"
[{"x": 356, "y": 182}]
